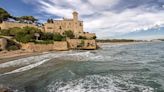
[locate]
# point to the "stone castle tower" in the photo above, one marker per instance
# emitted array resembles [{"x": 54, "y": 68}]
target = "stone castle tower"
[{"x": 60, "y": 26}]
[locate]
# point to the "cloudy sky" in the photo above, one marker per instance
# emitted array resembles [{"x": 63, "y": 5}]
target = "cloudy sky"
[{"x": 106, "y": 18}]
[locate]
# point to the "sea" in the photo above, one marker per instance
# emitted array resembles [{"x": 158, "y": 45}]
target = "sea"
[{"x": 112, "y": 68}]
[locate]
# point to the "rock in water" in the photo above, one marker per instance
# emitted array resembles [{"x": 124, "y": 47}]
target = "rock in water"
[{"x": 5, "y": 90}]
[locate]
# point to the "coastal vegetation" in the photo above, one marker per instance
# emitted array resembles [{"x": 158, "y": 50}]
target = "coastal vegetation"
[
  {"x": 28, "y": 34},
  {"x": 4, "y": 15},
  {"x": 69, "y": 34}
]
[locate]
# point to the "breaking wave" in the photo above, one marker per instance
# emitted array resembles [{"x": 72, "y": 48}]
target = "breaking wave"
[
  {"x": 28, "y": 63},
  {"x": 28, "y": 67},
  {"x": 98, "y": 83}
]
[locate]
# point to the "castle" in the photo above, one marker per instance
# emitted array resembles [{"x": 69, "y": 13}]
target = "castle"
[{"x": 56, "y": 26}]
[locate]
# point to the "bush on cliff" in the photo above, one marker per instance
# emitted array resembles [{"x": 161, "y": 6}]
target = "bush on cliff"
[
  {"x": 82, "y": 37},
  {"x": 58, "y": 37},
  {"x": 4, "y": 15},
  {"x": 94, "y": 37},
  {"x": 46, "y": 36},
  {"x": 24, "y": 38},
  {"x": 69, "y": 34},
  {"x": 12, "y": 45},
  {"x": 44, "y": 42}
]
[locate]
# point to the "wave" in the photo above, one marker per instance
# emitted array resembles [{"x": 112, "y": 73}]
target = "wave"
[
  {"x": 26, "y": 67},
  {"x": 34, "y": 61},
  {"x": 97, "y": 83}
]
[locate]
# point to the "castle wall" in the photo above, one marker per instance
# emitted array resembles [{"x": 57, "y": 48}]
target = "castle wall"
[
  {"x": 82, "y": 44},
  {"x": 7, "y": 25},
  {"x": 59, "y": 46},
  {"x": 61, "y": 26},
  {"x": 88, "y": 35}
]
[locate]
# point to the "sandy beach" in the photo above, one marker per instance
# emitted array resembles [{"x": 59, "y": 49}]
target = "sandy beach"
[{"x": 13, "y": 55}]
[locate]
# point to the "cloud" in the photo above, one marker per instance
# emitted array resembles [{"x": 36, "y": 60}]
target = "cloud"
[{"x": 107, "y": 17}]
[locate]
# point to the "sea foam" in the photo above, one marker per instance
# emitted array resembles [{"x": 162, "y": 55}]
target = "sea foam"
[{"x": 97, "y": 83}]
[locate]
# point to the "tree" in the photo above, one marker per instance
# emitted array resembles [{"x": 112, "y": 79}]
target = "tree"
[
  {"x": 5, "y": 32},
  {"x": 69, "y": 34},
  {"x": 82, "y": 37},
  {"x": 27, "y": 18},
  {"x": 14, "y": 31},
  {"x": 50, "y": 21},
  {"x": 4, "y": 15},
  {"x": 94, "y": 37},
  {"x": 23, "y": 37},
  {"x": 57, "y": 37}
]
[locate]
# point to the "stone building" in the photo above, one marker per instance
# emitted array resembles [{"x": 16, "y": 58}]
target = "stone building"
[{"x": 74, "y": 24}]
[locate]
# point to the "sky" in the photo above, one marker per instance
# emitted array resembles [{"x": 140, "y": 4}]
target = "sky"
[{"x": 107, "y": 18}]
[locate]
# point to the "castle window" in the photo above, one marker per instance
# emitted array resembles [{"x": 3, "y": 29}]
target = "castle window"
[
  {"x": 60, "y": 27},
  {"x": 80, "y": 24},
  {"x": 49, "y": 27}
]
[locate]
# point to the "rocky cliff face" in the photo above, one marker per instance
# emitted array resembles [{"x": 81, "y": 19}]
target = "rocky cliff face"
[
  {"x": 62, "y": 46},
  {"x": 3, "y": 43}
]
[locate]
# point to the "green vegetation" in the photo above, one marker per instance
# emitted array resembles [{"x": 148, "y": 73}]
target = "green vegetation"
[
  {"x": 30, "y": 34},
  {"x": 28, "y": 18},
  {"x": 94, "y": 37},
  {"x": 82, "y": 37},
  {"x": 69, "y": 34},
  {"x": 58, "y": 37},
  {"x": 44, "y": 42},
  {"x": 4, "y": 15},
  {"x": 50, "y": 21},
  {"x": 11, "y": 45}
]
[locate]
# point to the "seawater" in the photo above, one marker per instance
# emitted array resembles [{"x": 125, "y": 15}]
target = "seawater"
[{"x": 113, "y": 68}]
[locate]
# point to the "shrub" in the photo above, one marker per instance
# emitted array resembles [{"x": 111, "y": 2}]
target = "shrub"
[
  {"x": 13, "y": 47},
  {"x": 44, "y": 42},
  {"x": 82, "y": 37},
  {"x": 69, "y": 34},
  {"x": 58, "y": 37},
  {"x": 14, "y": 31},
  {"x": 5, "y": 32},
  {"x": 46, "y": 36},
  {"x": 24, "y": 38},
  {"x": 94, "y": 37}
]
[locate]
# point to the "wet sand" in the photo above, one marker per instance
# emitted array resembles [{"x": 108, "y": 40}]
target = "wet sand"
[{"x": 14, "y": 55}]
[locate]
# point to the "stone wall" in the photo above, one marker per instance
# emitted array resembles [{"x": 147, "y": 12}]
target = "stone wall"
[
  {"x": 3, "y": 43},
  {"x": 62, "y": 46},
  {"x": 88, "y": 35},
  {"x": 7, "y": 25},
  {"x": 82, "y": 44},
  {"x": 59, "y": 46}
]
